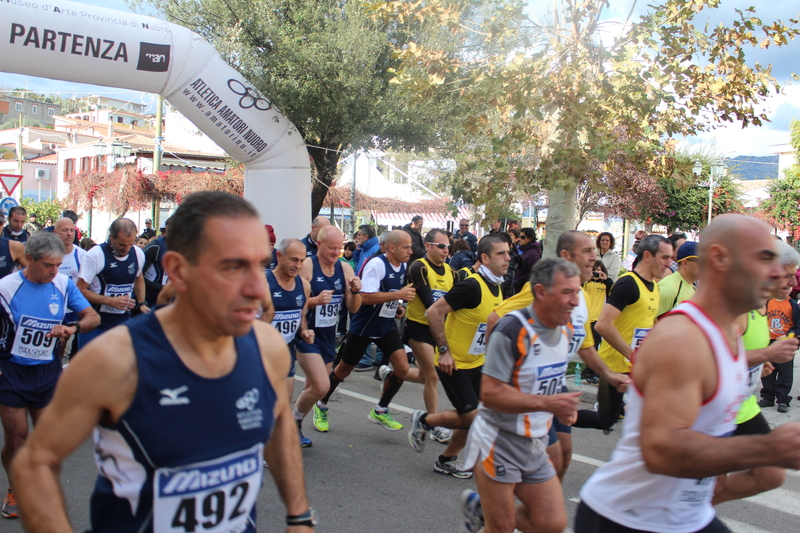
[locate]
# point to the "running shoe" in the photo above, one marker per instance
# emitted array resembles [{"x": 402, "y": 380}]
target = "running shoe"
[
  {"x": 453, "y": 467},
  {"x": 783, "y": 408},
  {"x": 441, "y": 434},
  {"x": 320, "y": 419},
  {"x": 385, "y": 419},
  {"x": 10, "y": 508},
  {"x": 305, "y": 442},
  {"x": 417, "y": 434},
  {"x": 471, "y": 509}
]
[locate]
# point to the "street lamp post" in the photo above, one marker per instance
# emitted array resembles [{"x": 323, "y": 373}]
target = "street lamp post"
[{"x": 718, "y": 171}]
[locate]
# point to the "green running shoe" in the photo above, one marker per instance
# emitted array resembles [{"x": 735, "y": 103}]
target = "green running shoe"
[
  {"x": 385, "y": 419},
  {"x": 320, "y": 419}
]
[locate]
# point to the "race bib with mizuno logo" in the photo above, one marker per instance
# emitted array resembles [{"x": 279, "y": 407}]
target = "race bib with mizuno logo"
[
  {"x": 214, "y": 496},
  {"x": 328, "y": 314},
  {"x": 31, "y": 340},
  {"x": 115, "y": 291}
]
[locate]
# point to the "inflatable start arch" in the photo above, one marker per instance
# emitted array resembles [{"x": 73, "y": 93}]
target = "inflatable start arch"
[{"x": 86, "y": 44}]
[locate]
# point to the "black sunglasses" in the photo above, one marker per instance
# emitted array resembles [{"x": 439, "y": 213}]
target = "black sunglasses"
[{"x": 439, "y": 245}]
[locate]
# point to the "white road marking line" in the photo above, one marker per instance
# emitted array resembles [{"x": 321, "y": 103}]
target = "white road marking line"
[
  {"x": 587, "y": 460},
  {"x": 364, "y": 397},
  {"x": 779, "y": 499},
  {"x": 741, "y": 527}
]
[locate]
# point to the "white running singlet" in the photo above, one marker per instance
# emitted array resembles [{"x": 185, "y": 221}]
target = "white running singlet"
[{"x": 625, "y": 492}]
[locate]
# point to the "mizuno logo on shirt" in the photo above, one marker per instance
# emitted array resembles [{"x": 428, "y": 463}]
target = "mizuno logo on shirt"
[
  {"x": 173, "y": 396},
  {"x": 320, "y": 280},
  {"x": 113, "y": 265},
  {"x": 276, "y": 295},
  {"x": 391, "y": 276}
]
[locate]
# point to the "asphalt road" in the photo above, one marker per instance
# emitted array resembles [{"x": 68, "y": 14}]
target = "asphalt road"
[{"x": 363, "y": 478}]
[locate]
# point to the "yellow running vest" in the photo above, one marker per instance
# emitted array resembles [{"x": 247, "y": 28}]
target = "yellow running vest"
[
  {"x": 755, "y": 337},
  {"x": 465, "y": 329},
  {"x": 438, "y": 284},
  {"x": 633, "y": 324}
]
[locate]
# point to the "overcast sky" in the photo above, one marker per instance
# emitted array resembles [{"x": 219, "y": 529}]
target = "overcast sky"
[{"x": 728, "y": 141}]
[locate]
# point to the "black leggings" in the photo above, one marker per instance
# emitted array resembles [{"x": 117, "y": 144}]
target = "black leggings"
[
  {"x": 609, "y": 408},
  {"x": 588, "y": 521}
]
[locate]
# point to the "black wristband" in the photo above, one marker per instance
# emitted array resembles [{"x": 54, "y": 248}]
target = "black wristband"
[
  {"x": 308, "y": 519},
  {"x": 354, "y": 292}
]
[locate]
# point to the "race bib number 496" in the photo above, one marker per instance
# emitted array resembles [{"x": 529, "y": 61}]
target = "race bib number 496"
[{"x": 211, "y": 497}]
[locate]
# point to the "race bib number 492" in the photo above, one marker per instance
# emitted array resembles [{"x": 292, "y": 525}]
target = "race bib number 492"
[{"x": 215, "y": 496}]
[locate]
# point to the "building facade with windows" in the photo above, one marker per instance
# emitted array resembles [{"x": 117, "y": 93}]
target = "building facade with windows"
[{"x": 12, "y": 107}]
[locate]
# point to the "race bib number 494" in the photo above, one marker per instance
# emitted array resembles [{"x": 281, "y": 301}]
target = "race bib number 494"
[{"x": 211, "y": 497}]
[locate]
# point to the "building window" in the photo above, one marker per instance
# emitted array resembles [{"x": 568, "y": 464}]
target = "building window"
[
  {"x": 134, "y": 123},
  {"x": 86, "y": 164},
  {"x": 51, "y": 111},
  {"x": 35, "y": 109},
  {"x": 120, "y": 120},
  {"x": 18, "y": 107},
  {"x": 69, "y": 168}
]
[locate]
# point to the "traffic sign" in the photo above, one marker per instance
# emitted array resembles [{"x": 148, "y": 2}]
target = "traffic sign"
[
  {"x": 6, "y": 204},
  {"x": 10, "y": 182}
]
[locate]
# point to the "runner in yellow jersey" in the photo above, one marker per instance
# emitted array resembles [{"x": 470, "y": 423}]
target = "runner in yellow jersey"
[
  {"x": 625, "y": 321},
  {"x": 432, "y": 278},
  {"x": 576, "y": 247},
  {"x": 460, "y": 353}
]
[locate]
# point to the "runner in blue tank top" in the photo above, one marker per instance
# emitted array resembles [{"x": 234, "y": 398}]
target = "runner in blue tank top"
[
  {"x": 184, "y": 402},
  {"x": 111, "y": 278},
  {"x": 383, "y": 287},
  {"x": 289, "y": 296},
  {"x": 33, "y": 304},
  {"x": 333, "y": 285}
]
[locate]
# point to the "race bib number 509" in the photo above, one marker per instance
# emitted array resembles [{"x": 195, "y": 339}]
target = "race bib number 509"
[{"x": 211, "y": 497}]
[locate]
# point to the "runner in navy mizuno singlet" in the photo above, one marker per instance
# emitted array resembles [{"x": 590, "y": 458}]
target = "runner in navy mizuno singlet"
[
  {"x": 185, "y": 402},
  {"x": 155, "y": 277},
  {"x": 290, "y": 293},
  {"x": 33, "y": 304},
  {"x": 111, "y": 278},
  {"x": 383, "y": 287},
  {"x": 333, "y": 285},
  {"x": 12, "y": 253}
]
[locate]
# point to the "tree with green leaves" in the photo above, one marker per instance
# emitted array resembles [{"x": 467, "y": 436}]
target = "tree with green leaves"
[
  {"x": 571, "y": 83},
  {"x": 328, "y": 65},
  {"x": 782, "y": 208}
]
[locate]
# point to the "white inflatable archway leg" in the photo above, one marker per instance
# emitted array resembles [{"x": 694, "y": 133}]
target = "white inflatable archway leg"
[{"x": 86, "y": 44}]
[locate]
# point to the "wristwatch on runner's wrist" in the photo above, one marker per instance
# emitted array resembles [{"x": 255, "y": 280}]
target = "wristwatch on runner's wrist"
[
  {"x": 443, "y": 349},
  {"x": 308, "y": 519},
  {"x": 77, "y": 326}
]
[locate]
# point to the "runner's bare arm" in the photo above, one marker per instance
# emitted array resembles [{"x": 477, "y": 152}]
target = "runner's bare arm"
[
  {"x": 100, "y": 383},
  {"x": 491, "y": 321},
  {"x": 353, "y": 283},
  {"x": 605, "y": 327},
  {"x": 675, "y": 383},
  {"x": 407, "y": 293},
  {"x": 167, "y": 294},
  {"x": 596, "y": 363},
  {"x": 501, "y": 396},
  {"x": 17, "y": 250},
  {"x": 93, "y": 297},
  {"x": 283, "y": 449},
  {"x": 139, "y": 292}
]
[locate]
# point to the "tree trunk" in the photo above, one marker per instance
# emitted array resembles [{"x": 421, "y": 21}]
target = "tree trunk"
[
  {"x": 560, "y": 217},
  {"x": 325, "y": 161}
]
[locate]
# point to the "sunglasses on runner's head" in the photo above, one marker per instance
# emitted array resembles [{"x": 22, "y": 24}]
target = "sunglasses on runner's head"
[{"x": 439, "y": 245}]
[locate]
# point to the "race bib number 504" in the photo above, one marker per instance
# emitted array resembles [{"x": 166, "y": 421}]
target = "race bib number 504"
[{"x": 215, "y": 496}]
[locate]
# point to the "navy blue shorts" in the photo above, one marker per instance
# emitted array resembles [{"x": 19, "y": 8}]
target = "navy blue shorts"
[
  {"x": 28, "y": 385},
  {"x": 324, "y": 344}
]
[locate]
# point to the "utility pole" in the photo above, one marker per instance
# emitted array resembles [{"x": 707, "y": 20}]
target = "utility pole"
[{"x": 157, "y": 157}]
